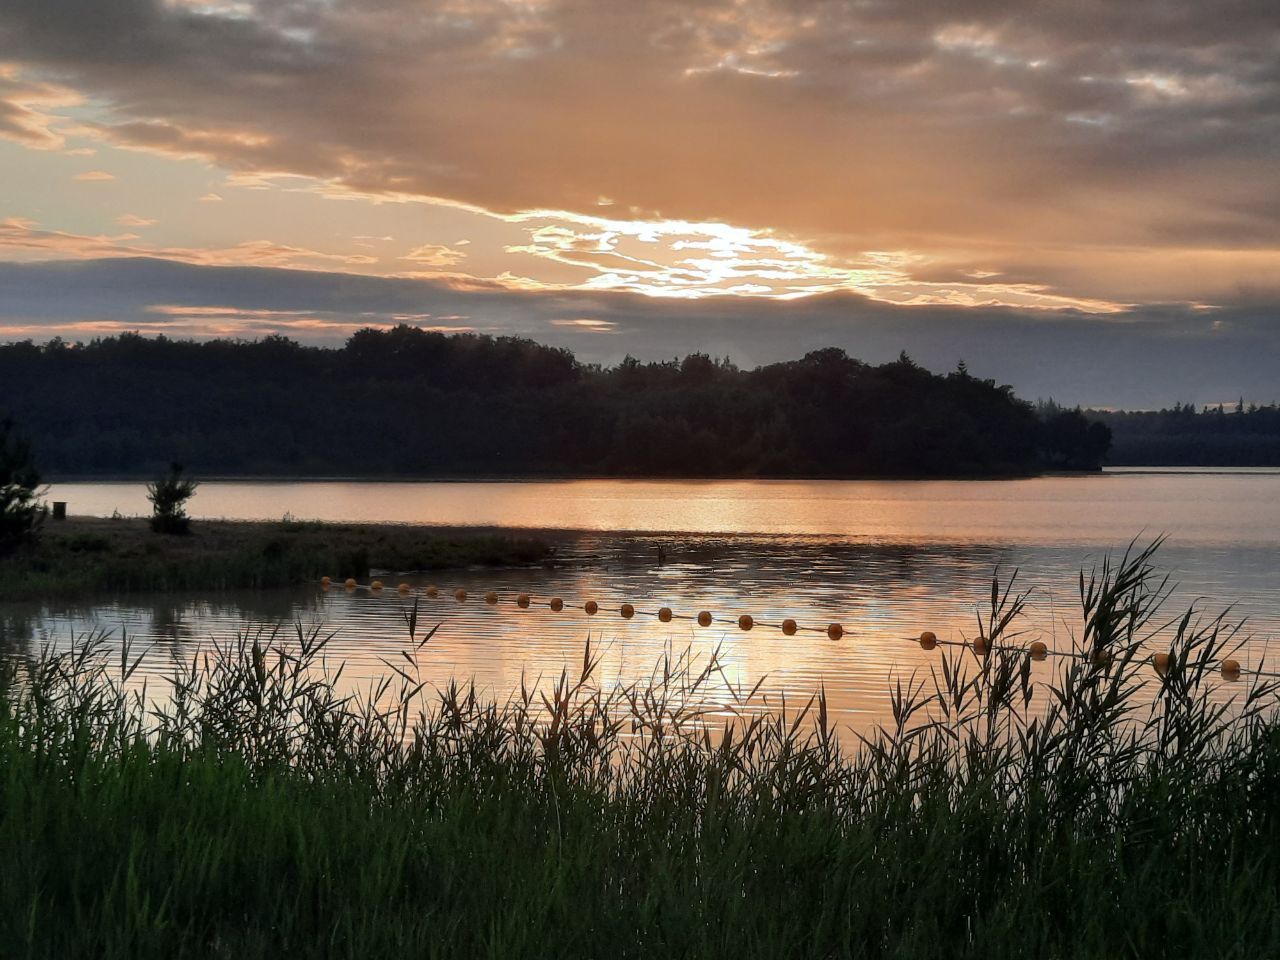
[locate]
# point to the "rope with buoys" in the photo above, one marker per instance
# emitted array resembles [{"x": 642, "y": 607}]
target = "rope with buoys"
[{"x": 1230, "y": 669}]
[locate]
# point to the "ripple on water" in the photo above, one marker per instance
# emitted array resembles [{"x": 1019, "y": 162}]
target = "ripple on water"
[{"x": 883, "y": 595}]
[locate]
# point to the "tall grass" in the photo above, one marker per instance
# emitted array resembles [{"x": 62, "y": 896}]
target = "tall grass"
[{"x": 254, "y": 811}]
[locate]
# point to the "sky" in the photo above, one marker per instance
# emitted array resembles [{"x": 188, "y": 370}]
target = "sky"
[{"x": 1079, "y": 198}]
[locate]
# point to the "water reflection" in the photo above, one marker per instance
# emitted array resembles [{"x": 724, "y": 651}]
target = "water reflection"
[
  {"x": 1224, "y": 507},
  {"x": 884, "y": 594}
]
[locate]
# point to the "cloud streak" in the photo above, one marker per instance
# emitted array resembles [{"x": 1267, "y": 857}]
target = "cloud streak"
[
  {"x": 24, "y": 239},
  {"x": 1143, "y": 357}
]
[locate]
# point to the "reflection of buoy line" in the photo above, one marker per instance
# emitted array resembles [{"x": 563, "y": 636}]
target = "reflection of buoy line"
[{"x": 1038, "y": 650}]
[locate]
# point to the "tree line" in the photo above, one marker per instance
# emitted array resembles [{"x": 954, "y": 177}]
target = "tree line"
[
  {"x": 1221, "y": 435},
  {"x": 408, "y": 402}
]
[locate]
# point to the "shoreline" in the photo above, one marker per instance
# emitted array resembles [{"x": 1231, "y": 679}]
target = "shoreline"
[
  {"x": 85, "y": 555},
  {"x": 1116, "y": 469},
  {"x": 568, "y": 478}
]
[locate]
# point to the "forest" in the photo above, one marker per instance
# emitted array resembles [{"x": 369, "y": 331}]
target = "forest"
[
  {"x": 1234, "y": 435},
  {"x": 413, "y": 403}
]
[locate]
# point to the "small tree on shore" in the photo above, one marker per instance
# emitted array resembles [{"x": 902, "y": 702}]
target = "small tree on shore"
[
  {"x": 21, "y": 512},
  {"x": 169, "y": 496}
]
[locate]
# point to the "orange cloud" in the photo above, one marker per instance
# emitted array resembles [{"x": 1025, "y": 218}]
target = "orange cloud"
[
  {"x": 23, "y": 240},
  {"x": 434, "y": 255},
  {"x": 24, "y": 105},
  {"x": 904, "y": 149},
  {"x": 679, "y": 258}
]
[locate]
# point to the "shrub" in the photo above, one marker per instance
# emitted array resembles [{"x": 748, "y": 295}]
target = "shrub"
[{"x": 169, "y": 496}]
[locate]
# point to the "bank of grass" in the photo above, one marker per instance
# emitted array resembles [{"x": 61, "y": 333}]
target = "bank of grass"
[
  {"x": 87, "y": 555},
  {"x": 257, "y": 813}
]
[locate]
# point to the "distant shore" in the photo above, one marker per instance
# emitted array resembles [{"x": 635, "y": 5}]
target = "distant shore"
[
  {"x": 83, "y": 555},
  {"x": 556, "y": 478}
]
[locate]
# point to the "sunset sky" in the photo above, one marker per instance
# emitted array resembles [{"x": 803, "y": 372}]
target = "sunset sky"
[{"x": 1078, "y": 198}]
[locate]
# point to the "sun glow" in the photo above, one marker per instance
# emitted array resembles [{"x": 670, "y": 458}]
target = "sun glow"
[{"x": 696, "y": 259}]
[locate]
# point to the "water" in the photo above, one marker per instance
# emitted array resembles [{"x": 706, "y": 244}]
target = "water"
[
  {"x": 1223, "y": 508},
  {"x": 886, "y": 559}
]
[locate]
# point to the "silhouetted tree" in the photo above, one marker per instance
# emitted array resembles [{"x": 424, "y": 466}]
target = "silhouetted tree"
[
  {"x": 169, "y": 496},
  {"x": 1181, "y": 436},
  {"x": 411, "y": 402},
  {"x": 21, "y": 513},
  {"x": 1069, "y": 441}
]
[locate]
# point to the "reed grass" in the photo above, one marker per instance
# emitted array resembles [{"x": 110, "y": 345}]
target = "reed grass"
[{"x": 253, "y": 810}]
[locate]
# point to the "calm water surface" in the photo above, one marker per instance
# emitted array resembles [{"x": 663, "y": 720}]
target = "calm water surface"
[{"x": 885, "y": 558}]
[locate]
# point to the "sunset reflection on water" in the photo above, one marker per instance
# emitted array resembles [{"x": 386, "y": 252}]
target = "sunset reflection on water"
[{"x": 891, "y": 560}]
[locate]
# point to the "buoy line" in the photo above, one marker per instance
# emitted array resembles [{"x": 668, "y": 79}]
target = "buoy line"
[{"x": 1230, "y": 669}]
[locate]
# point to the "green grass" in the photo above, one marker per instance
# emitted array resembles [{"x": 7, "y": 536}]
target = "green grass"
[
  {"x": 255, "y": 812},
  {"x": 87, "y": 556}
]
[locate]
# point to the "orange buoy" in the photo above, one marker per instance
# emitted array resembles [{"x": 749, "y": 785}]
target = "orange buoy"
[
  {"x": 325, "y": 581},
  {"x": 704, "y": 619},
  {"x": 835, "y": 631},
  {"x": 460, "y": 596},
  {"x": 981, "y": 645},
  {"x": 745, "y": 622},
  {"x": 789, "y": 627},
  {"x": 491, "y": 597},
  {"x": 928, "y": 640},
  {"x": 556, "y": 604},
  {"x": 403, "y": 588},
  {"x": 522, "y": 600},
  {"x": 376, "y": 585},
  {"x": 433, "y": 591},
  {"x": 1231, "y": 670},
  {"x": 1038, "y": 650},
  {"x": 1161, "y": 663},
  {"x": 350, "y": 583},
  {"x": 665, "y": 614},
  {"x": 627, "y": 611},
  {"x": 591, "y": 607}
]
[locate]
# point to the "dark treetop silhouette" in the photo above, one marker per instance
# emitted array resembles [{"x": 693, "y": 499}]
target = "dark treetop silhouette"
[
  {"x": 414, "y": 403},
  {"x": 1219, "y": 436}
]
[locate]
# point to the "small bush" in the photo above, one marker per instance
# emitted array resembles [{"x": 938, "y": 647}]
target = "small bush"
[{"x": 169, "y": 496}]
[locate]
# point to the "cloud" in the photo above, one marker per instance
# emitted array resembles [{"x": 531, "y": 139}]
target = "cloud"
[
  {"x": 211, "y": 198},
  {"x": 676, "y": 258},
  {"x": 1144, "y": 357},
  {"x": 976, "y": 132},
  {"x": 24, "y": 240},
  {"x": 589, "y": 324},
  {"x": 433, "y": 255},
  {"x": 94, "y": 176},
  {"x": 24, "y": 107},
  {"x": 133, "y": 220}
]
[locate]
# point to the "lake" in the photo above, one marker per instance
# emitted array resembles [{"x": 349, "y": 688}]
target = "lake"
[{"x": 886, "y": 559}]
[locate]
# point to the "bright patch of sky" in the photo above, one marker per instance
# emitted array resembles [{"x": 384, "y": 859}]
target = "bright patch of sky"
[{"x": 121, "y": 202}]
